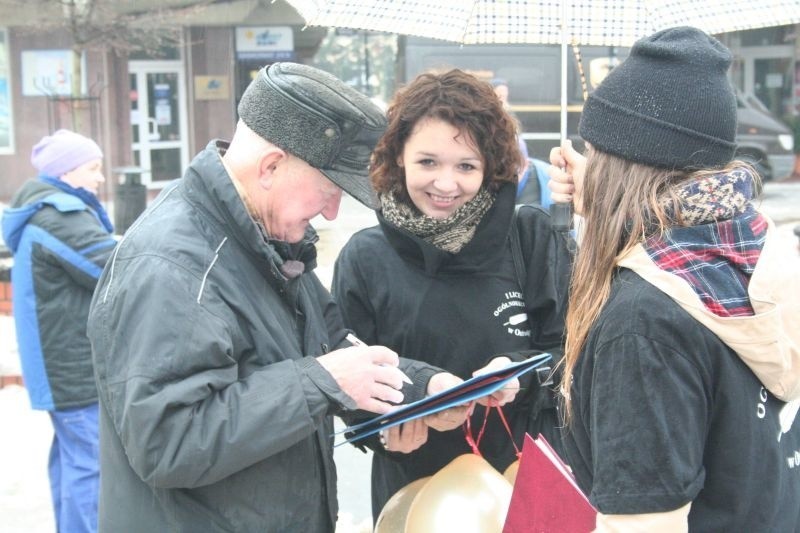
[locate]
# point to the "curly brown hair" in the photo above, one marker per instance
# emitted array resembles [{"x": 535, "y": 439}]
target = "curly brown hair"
[{"x": 465, "y": 102}]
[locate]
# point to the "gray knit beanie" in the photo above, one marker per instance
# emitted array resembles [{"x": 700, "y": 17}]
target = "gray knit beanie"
[
  {"x": 668, "y": 105},
  {"x": 315, "y": 116}
]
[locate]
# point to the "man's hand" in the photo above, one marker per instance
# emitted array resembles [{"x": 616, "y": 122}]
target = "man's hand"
[
  {"x": 449, "y": 418},
  {"x": 368, "y": 374},
  {"x": 501, "y": 396},
  {"x": 566, "y": 175}
]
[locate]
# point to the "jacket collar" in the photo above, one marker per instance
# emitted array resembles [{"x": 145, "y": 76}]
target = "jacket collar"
[{"x": 211, "y": 189}]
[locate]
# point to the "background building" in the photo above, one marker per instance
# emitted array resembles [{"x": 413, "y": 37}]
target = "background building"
[{"x": 151, "y": 112}]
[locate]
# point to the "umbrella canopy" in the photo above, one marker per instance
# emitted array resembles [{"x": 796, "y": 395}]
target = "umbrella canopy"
[
  {"x": 587, "y": 22},
  {"x": 564, "y": 22}
]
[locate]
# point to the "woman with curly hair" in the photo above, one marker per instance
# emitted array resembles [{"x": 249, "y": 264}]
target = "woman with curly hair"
[{"x": 436, "y": 282}]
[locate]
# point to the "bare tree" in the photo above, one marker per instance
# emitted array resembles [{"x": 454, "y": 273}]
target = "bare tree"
[
  {"x": 105, "y": 25},
  {"x": 121, "y": 26}
]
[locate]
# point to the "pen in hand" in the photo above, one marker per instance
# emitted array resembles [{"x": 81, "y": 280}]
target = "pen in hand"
[{"x": 355, "y": 341}]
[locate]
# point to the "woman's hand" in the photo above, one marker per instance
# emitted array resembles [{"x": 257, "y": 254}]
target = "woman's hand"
[
  {"x": 406, "y": 437},
  {"x": 566, "y": 175},
  {"x": 449, "y": 418},
  {"x": 500, "y": 396}
]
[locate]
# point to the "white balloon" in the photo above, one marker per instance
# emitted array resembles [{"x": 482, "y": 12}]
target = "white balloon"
[
  {"x": 511, "y": 472},
  {"x": 395, "y": 511},
  {"x": 468, "y": 496}
]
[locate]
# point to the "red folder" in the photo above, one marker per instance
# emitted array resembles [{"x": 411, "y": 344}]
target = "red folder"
[{"x": 546, "y": 498}]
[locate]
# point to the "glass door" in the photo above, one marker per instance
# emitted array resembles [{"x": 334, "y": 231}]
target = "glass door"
[
  {"x": 158, "y": 120},
  {"x": 772, "y": 83},
  {"x": 767, "y": 72}
]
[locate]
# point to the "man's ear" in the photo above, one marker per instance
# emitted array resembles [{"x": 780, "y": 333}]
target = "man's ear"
[{"x": 267, "y": 165}]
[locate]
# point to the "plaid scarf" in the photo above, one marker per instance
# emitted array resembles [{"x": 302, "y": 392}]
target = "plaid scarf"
[
  {"x": 717, "y": 253},
  {"x": 449, "y": 234}
]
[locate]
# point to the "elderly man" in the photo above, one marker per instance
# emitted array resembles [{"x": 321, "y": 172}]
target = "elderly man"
[{"x": 219, "y": 356}]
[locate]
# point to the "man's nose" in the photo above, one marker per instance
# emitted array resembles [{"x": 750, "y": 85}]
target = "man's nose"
[{"x": 331, "y": 208}]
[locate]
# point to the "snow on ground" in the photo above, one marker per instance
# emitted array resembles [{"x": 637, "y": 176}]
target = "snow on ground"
[{"x": 25, "y": 503}]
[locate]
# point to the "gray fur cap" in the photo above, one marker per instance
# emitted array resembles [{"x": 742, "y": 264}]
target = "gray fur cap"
[{"x": 318, "y": 118}]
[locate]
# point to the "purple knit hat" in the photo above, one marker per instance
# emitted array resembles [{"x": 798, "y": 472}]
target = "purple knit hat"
[{"x": 65, "y": 150}]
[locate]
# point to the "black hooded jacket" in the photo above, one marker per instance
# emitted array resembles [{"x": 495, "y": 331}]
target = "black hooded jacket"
[{"x": 457, "y": 312}]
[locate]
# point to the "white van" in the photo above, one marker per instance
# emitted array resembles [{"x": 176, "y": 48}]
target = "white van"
[{"x": 763, "y": 140}]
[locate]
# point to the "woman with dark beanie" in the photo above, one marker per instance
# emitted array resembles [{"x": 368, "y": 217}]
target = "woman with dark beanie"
[{"x": 682, "y": 369}]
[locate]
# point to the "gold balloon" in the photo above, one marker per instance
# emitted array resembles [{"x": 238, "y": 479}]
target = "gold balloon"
[
  {"x": 511, "y": 472},
  {"x": 393, "y": 515},
  {"x": 468, "y": 495}
]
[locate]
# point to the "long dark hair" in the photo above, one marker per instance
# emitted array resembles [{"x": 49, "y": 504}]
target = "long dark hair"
[{"x": 624, "y": 203}]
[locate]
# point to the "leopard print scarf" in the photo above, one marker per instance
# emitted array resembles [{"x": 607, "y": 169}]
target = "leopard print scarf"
[{"x": 450, "y": 234}]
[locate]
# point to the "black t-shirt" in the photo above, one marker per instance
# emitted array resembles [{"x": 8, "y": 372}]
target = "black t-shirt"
[{"x": 664, "y": 413}]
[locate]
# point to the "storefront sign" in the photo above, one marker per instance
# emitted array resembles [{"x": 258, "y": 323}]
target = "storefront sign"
[
  {"x": 774, "y": 80},
  {"x": 211, "y": 88},
  {"x": 49, "y": 73},
  {"x": 162, "y": 93},
  {"x": 269, "y": 43}
]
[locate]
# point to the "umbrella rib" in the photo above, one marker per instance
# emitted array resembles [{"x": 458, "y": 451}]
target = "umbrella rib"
[
  {"x": 650, "y": 16},
  {"x": 468, "y": 21}
]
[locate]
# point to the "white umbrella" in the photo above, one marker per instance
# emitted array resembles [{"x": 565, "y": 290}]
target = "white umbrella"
[
  {"x": 589, "y": 22},
  {"x": 564, "y": 22}
]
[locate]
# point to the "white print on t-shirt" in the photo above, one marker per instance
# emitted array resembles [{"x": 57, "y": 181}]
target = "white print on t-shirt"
[
  {"x": 512, "y": 311},
  {"x": 794, "y": 460},
  {"x": 787, "y": 417},
  {"x": 761, "y": 409}
]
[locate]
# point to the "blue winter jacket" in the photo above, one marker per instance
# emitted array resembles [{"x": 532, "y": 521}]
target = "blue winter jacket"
[{"x": 60, "y": 247}]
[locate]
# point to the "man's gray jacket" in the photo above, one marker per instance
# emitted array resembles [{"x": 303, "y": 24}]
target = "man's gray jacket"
[{"x": 214, "y": 410}]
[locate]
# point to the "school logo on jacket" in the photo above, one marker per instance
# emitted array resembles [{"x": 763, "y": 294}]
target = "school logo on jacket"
[{"x": 511, "y": 312}]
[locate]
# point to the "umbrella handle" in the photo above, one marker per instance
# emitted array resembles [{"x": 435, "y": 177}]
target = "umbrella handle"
[
  {"x": 561, "y": 216},
  {"x": 561, "y": 213}
]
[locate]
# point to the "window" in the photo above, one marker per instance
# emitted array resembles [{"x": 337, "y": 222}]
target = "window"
[{"x": 6, "y": 117}]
